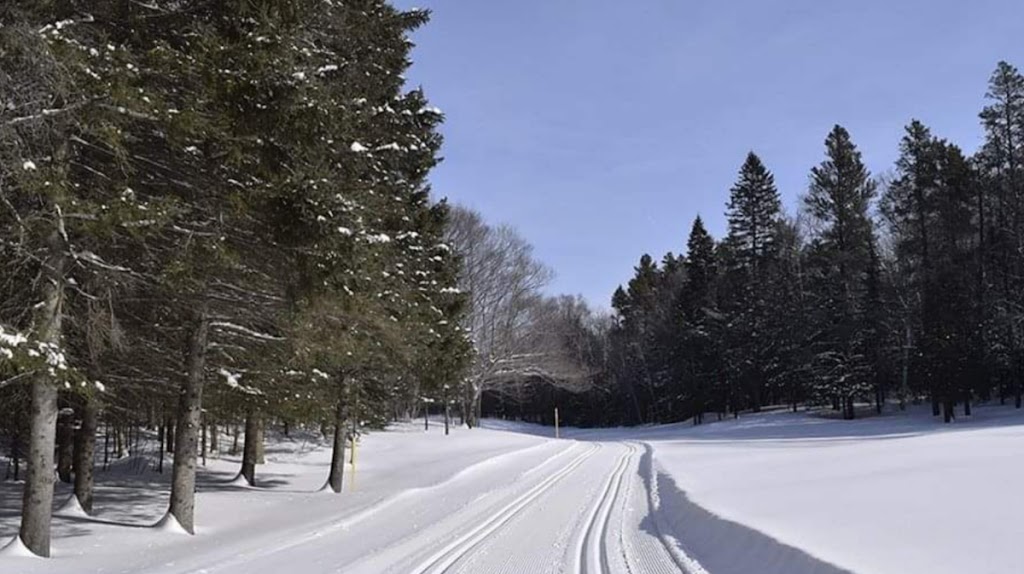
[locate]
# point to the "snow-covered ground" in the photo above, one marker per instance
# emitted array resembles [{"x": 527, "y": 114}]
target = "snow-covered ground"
[
  {"x": 767, "y": 494},
  {"x": 899, "y": 494}
]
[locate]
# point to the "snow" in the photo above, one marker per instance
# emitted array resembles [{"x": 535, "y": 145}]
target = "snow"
[
  {"x": 230, "y": 378},
  {"x": 170, "y": 525},
  {"x": 887, "y": 495},
  {"x": 772, "y": 493},
  {"x": 16, "y": 549},
  {"x": 359, "y": 148}
]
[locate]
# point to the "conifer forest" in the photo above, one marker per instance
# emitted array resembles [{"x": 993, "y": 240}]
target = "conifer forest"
[{"x": 217, "y": 221}]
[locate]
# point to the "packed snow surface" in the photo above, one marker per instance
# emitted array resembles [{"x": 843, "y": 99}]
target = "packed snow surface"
[{"x": 772, "y": 493}]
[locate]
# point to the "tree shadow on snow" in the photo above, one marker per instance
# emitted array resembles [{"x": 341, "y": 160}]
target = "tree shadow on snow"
[
  {"x": 720, "y": 546},
  {"x": 122, "y": 499}
]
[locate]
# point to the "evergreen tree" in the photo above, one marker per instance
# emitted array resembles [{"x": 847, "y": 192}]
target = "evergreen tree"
[
  {"x": 701, "y": 321},
  {"x": 1001, "y": 161},
  {"x": 838, "y": 200},
  {"x": 750, "y": 299}
]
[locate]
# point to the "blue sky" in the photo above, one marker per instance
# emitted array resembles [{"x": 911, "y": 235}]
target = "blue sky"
[{"x": 601, "y": 128}]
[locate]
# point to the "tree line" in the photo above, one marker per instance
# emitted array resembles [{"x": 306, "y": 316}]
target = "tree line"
[
  {"x": 899, "y": 288},
  {"x": 212, "y": 214}
]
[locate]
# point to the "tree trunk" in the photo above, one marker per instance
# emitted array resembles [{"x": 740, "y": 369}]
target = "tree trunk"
[
  {"x": 170, "y": 434},
  {"x": 260, "y": 431},
  {"x": 234, "y": 439},
  {"x": 16, "y": 456},
  {"x": 202, "y": 440},
  {"x": 162, "y": 437},
  {"x": 85, "y": 449},
  {"x": 37, "y": 503},
  {"x": 183, "y": 478},
  {"x": 65, "y": 446},
  {"x": 335, "y": 479},
  {"x": 214, "y": 437},
  {"x": 106, "y": 445},
  {"x": 967, "y": 403},
  {"x": 118, "y": 447},
  {"x": 249, "y": 453}
]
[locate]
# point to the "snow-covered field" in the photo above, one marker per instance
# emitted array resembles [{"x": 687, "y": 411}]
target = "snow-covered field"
[{"x": 767, "y": 494}]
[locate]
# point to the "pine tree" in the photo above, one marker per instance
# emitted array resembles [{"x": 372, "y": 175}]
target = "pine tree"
[
  {"x": 1001, "y": 161},
  {"x": 838, "y": 200}
]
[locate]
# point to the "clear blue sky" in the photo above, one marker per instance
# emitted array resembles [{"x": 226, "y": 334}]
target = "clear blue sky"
[{"x": 600, "y": 128}]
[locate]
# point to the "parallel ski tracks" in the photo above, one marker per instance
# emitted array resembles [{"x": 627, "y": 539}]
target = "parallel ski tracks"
[
  {"x": 592, "y": 547},
  {"x": 444, "y": 559}
]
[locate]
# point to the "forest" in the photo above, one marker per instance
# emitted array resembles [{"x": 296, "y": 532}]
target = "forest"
[
  {"x": 216, "y": 217},
  {"x": 889, "y": 289}
]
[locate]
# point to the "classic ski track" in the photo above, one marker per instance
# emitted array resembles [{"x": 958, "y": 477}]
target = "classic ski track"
[
  {"x": 448, "y": 556},
  {"x": 334, "y": 524},
  {"x": 623, "y": 513},
  {"x": 592, "y": 548}
]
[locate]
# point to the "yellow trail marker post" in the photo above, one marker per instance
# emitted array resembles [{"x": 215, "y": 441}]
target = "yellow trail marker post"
[{"x": 556, "y": 422}]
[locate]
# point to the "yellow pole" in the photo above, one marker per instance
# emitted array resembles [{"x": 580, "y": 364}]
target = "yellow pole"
[{"x": 556, "y": 422}]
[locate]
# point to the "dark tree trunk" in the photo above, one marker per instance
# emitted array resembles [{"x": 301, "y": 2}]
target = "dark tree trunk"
[
  {"x": 162, "y": 434},
  {"x": 106, "y": 445},
  {"x": 234, "y": 439},
  {"x": 85, "y": 449},
  {"x": 65, "y": 446},
  {"x": 183, "y": 480},
  {"x": 249, "y": 450},
  {"x": 936, "y": 410},
  {"x": 118, "y": 446},
  {"x": 214, "y": 437},
  {"x": 336, "y": 478},
  {"x": 171, "y": 434},
  {"x": 202, "y": 441},
  {"x": 16, "y": 457},
  {"x": 967, "y": 403}
]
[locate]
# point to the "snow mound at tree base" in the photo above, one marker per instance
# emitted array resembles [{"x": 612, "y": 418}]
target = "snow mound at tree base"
[
  {"x": 16, "y": 549},
  {"x": 171, "y": 525},
  {"x": 72, "y": 508}
]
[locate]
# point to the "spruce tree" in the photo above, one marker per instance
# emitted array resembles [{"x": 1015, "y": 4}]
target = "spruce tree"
[
  {"x": 838, "y": 200},
  {"x": 700, "y": 329},
  {"x": 750, "y": 299}
]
